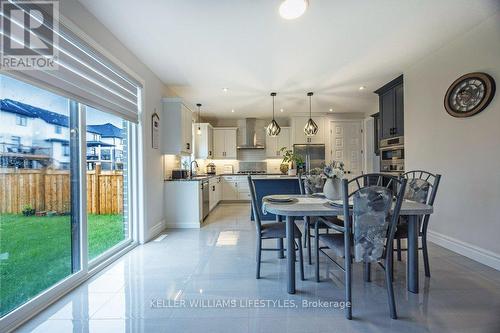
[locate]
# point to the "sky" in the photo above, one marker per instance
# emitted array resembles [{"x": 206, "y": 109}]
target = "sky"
[{"x": 26, "y": 93}]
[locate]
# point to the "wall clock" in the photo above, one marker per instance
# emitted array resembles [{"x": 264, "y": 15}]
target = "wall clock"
[{"x": 469, "y": 94}]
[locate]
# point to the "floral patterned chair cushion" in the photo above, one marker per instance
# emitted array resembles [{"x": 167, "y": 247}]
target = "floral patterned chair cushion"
[
  {"x": 370, "y": 212},
  {"x": 313, "y": 184},
  {"x": 417, "y": 190}
]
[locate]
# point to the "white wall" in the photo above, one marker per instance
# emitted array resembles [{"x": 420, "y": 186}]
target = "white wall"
[
  {"x": 465, "y": 151},
  {"x": 154, "y": 90}
]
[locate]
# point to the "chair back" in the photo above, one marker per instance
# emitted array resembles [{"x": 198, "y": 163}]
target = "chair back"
[
  {"x": 313, "y": 184},
  {"x": 373, "y": 224},
  {"x": 419, "y": 184},
  {"x": 301, "y": 183},
  {"x": 255, "y": 208}
]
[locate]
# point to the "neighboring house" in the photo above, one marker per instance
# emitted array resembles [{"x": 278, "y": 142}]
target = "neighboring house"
[
  {"x": 105, "y": 146},
  {"x": 32, "y": 137}
]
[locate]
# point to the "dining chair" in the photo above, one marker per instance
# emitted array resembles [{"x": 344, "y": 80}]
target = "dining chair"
[
  {"x": 419, "y": 184},
  {"x": 368, "y": 232},
  {"x": 271, "y": 230},
  {"x": 309, "y": 186}
]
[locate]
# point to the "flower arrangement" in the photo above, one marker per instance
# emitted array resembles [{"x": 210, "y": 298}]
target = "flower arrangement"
[{"x": 334, "y": 170}]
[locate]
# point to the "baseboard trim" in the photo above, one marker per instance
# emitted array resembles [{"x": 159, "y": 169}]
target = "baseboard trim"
[
  {"x": 155, "y": 230},
  {"x": 183, "y": 225},
  {"x": 473, "y": 252}
]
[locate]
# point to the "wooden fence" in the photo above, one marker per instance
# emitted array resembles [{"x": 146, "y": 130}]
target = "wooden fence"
[{"x": 49, "y": 190}]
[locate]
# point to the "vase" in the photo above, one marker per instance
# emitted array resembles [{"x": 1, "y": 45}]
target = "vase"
[
  {"x": 284, "y": 168},
  {"x": 332, "y": 189},
  {"x": 292, "y": 172}
]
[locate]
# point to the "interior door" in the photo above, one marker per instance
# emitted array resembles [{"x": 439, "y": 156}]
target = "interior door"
[{"x": 346, "y": 143}]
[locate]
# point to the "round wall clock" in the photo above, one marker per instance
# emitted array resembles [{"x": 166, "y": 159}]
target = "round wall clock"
[{"x": 469, "y": 94}]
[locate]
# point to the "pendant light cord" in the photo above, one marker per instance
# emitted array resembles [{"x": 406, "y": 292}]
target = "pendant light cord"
[
  {"x": 309, "y": 107},
  {"x": 273, "y": 107}
]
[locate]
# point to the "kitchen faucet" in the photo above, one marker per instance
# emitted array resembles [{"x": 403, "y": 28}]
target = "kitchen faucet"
[{"x": 191, "y": 168}]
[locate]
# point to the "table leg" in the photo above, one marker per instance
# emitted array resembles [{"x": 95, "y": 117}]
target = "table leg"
[
  {"x": 290, "y": 253},
  {"x": 412, "y": 259},
  {"x": 279, "y": 241}
]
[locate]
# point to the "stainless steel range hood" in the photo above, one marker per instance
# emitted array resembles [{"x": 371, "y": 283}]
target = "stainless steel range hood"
[{"x": 251, "y": 134}]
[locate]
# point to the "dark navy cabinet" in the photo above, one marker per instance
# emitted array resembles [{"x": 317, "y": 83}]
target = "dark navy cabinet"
[{"x": 391, "y": 109}]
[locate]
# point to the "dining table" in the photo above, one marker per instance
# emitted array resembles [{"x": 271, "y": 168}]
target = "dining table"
[{"x": 300, "y": 206}]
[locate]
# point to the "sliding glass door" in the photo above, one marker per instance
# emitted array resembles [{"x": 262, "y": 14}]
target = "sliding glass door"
[
  {"x": 39, "y": 201},
  {"x": 107, "y": 181}
]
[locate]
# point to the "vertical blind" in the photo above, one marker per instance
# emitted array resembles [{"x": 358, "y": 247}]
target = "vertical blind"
[{"x": 83, "y": 73}]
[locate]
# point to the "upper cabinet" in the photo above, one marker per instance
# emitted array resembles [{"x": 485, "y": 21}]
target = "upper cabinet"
[
  {"x": 298, "y": 136},
  {"x": 225, "y": 142},
  {"x": 176, "y": 127},
  {"x": 204, "y": 141},
  {"x": 275, "y": 143},
  {"x": 391, "y": 109}
]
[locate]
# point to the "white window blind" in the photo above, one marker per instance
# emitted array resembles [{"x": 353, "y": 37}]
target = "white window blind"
[{"x": 83, "y": 73}]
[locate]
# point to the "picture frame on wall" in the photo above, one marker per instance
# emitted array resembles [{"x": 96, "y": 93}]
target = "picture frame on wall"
[{"x": 155, "y": 130}]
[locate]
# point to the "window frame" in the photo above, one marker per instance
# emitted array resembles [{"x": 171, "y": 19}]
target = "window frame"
[{"x": 21, "y": 120}]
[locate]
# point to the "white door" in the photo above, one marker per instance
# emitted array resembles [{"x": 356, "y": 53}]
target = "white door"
[
  {"x": 346, "y": 143},
  {"x": 219, "y": 145}
]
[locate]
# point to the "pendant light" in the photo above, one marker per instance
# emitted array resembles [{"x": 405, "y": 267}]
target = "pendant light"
[
  {"x": 311, "y": 128},
  {"x": 198, "y": 131},
  {"x": 273, "y": 129}
]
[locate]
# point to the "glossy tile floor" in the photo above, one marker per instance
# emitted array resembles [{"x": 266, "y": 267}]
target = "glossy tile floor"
[{"x": 203, "y": 281}]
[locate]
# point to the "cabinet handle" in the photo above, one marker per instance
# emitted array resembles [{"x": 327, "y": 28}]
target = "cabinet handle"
[
  {"x": 187, "y": 145},
  {"x": 209, "y": 153}
]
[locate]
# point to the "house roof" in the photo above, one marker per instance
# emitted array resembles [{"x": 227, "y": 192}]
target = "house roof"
[
  {"x": 27, "y": 110},
  {"x": 106, "y": 130}
]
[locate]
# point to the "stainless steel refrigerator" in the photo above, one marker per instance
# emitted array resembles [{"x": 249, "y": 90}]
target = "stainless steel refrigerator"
[{"x": 313, "y": 155}]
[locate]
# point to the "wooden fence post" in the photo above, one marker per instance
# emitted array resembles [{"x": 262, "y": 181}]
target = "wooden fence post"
[{"x": 97, "y": 188}]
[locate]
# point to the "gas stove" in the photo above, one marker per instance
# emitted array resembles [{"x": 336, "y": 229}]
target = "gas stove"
[{"x": 251, "y": 172}]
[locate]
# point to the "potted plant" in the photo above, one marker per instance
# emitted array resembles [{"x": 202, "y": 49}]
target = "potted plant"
[
  {"x": 334, "y": 173},
  {"x": 290, "y": 161}
]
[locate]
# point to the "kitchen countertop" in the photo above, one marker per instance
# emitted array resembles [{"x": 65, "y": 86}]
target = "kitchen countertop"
[{"x": 256, "y": 176}]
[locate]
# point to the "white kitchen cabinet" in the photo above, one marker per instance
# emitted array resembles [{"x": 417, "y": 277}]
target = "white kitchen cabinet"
[
  {"x": 229, "y": 188},
  {"x": 215, "y": 194},
  {"x": 274, "y": 144},
  {"x": 298, "y": 136},
  {"x": 218, "y": 189},
  {"x": 183, "y": 204},
  {"x": 203, "y": 142},
  {"x": 176, "y": 127},
  {"x": 225, "y": 142}
]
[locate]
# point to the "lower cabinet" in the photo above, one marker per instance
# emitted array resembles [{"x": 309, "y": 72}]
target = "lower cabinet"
[
  {"x": 235, "y": 188},
  {"x": 215, "y": 194}
]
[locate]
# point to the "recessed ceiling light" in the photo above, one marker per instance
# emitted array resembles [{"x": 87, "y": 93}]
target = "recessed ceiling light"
[
  {"x": 232, "y": 110},
  {"x": 331, "y": 110},
  {"x": 224, "y": 89},
  {"x": 281, "y": 110},
  {"x": 362, "y": 88},
  {"x": 292, "y": 9}
]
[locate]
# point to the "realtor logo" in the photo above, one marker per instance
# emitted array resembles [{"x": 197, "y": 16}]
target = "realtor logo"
[{"x": 29, "y": 35}]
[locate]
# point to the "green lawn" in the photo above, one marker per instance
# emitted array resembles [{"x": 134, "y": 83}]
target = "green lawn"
[{"x": 35, "y": 252}]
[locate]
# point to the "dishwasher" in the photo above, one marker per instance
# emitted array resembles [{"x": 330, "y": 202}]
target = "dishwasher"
[{"x": 205, "y": 193}]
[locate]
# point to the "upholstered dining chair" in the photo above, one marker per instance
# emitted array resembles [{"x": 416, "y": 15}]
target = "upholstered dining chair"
[
  {"x": 271, "y": 230},
  {"x": 368, "y": 232},
  {"x": 421, "y": 187},
  {"x": 312, "y": 184}
]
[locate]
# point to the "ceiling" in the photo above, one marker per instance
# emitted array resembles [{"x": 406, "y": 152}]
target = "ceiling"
[{"x": 199, "y": 47}]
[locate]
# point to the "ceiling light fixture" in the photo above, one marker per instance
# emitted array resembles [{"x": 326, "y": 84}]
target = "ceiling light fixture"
[
  {"x": 273, "y": 129},
  {"x": 362, "y": 88},
  {"x": 225, "y": 90},
  {"x": 311, "y": 128},
  {"x": 292, "y": 9},
  {"x": 198, "y": 131}
]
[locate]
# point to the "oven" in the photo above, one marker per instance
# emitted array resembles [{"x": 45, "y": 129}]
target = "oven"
[{"x": 392, "y": 156}]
